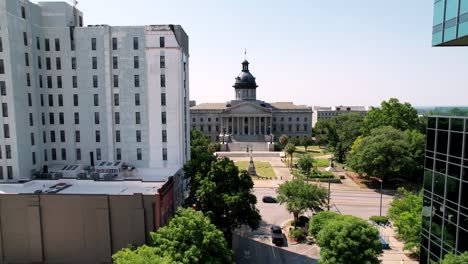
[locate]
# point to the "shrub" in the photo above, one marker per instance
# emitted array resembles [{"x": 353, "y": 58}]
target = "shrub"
[
  {"x": 214, "y": 147},
  {"x": 318, "y": 221},
  {"x": 298, "y": 234},
  {"x": 326, "y": 175},
  {"x": 380, "y": 220},
  {"x": 277, "y": 146},
  {"x": 342, "y": 177}
]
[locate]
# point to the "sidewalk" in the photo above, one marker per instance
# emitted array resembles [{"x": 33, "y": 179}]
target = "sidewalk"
[{"x": 395, "y": 254}]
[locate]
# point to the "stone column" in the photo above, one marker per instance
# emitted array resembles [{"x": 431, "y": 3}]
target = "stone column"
[
  {"x": 254, "y": 125},
  {"x": 234, "y": 122},
  {"x": 238, "y": 125},
  {"x": 271, "y": 125},
  {"x": 265, "y": 125},
  {"x": 221, "y": 131}
]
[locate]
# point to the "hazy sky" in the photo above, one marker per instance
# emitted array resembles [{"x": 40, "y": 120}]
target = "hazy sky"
[{"x": 309, "y": 52}]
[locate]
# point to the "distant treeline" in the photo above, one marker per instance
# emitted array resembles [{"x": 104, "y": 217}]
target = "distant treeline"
[{"x": 444, "y": 110}]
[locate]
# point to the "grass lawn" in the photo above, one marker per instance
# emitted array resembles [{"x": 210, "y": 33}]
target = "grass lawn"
[
  {"x": 311, "y": 150},
  {"x": 318, "y": 162},
  {"x": 263, "y": 169}
]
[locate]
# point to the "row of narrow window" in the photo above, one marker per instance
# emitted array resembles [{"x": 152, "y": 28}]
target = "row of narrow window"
[
  {"x": 262, "y": 119},
  {"x": 209, "y": 128}
]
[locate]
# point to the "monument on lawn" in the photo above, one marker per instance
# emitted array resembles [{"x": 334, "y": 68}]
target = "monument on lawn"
[{"x": 252, "y": 171}]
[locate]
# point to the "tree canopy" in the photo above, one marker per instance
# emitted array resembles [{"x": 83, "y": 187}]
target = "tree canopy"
[
  {"x": 188, "y": 238},
  {"x": 392, "y": 113},
  {"x": 386, "y": 152},
  {"x": 455, "y": 259},
  {"x": 339, "y": 132},
  {"x": 405, "y": 211},
  {"x": 290, "y": 149},
  {"x": 305, "y": 163},
  {"x": 142, "y": 255},
  {"x": 349, "y": 240},
  {"x": 283, "y": 140},
  {"x": 198, "y": 143},
  {"x": 306, "y": 142},
  {"x": 318, "y": 221},
  {"x": 299, "y": 196},
  {"x": 200, "y": 161},
  {"x": 225, "y": 195}
]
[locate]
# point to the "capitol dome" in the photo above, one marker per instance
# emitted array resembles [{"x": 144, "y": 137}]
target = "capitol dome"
[{"x": 245, "y": 79}]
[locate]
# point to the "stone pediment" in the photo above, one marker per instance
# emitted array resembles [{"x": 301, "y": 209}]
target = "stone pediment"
[{"x": 247, "y": 108}]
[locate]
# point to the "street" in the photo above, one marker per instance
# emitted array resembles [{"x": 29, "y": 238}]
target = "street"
[
  {"x": 256, "y": 247},
  {"x": 360, "y": 203},
  {"x": 263, "y": 252}
]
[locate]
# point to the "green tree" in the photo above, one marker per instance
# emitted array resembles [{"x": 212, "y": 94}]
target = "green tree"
[
  {"x": 401, "y": 116},
  {"x": 384, "y": 153},
  {"x": 195, "y": 169},
  {"x": 290, "y": 149},
  {"x": 213, "y": 147},
  {"x": 225, "y": 195},
  {"x": 305, "y": 163},
  {"x": 188, "y": 238},
  {"x": 416, "y": 145},
  {"x": 405, "y": 211},
  {"x": 455, "y": 259},
  {"x": 306, "y": 142},
  {"x": 142, "y": 255},
  {"x": 198, "y": 142},
  {"x": 318, "y": 221},
  {"x": 299, "y": 196},
  {"x": 341, "y": 132},
  {"x": 283, "y": 140},
  {"x": 349, "y": 240},
  {"x": 320, "y": 132}
]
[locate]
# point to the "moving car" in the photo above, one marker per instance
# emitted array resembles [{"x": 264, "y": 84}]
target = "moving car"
[
  {"x": 269, "y": 199},
  {"x": 277, "y": 236}
]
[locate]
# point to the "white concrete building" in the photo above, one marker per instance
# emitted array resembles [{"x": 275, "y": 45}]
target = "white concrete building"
[
  {"x": 81, "y": 95},
  {"x": 327, "y": 112}
]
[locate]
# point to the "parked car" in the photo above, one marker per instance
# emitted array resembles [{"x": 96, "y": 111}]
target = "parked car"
[
  {"x": 269, "y": 199},
  {"x": 277, "y": 236}
]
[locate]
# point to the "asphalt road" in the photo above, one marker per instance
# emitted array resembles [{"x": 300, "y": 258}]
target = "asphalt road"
[
  {"x": 360, "y": 203},
  {"x": 250, "y": 251},
  {"x": 256, "y": 247}
]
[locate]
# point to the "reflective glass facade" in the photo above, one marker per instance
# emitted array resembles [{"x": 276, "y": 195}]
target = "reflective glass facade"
[
  {"x": 450, "y": 24},
  {"x": 445, "y": 189}
]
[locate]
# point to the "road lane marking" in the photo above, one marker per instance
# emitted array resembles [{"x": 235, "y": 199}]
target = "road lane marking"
[{"x": 273, "y": 251}]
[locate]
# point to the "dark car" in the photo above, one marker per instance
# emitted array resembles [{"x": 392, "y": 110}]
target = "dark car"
[
  {"x": 269, "y": 199},
  {"x": 277, "y": 235}
]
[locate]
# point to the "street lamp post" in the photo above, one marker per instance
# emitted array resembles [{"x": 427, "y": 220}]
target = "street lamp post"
[
  {"x": 381, "y": 185},
  {"x": 330, "y": 168},
  {"x": 328, "y": 204}
]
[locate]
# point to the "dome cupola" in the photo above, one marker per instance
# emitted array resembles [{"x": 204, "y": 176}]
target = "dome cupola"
[
  {"x": 245, "y": 79},
  {"x": 245, "y": 84}
]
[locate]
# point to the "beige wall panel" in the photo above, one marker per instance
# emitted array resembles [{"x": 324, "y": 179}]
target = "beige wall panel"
[
  {"x": 127, "y": 221},
  {"x": 20, "y": 228}
]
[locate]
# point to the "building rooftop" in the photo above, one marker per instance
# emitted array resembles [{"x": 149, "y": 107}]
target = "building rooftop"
[
  {"x": 222, "y": 106},
  {"x": 341, "y": 108},
  {"x": 288, "y": 105},
  {"x": 209, "y": 106},
  {"x": 74, "y": 186}
]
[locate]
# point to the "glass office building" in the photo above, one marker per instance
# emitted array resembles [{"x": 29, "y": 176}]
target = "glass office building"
[
  {"x": 450, "y": 26},
  {"x": 445, "y": 202}
]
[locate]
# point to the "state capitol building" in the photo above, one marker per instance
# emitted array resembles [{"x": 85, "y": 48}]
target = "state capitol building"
[{"x": 248, "y": 119}]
